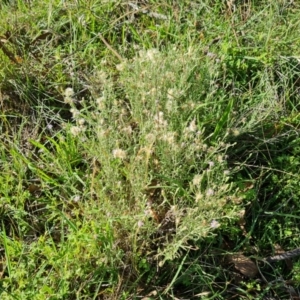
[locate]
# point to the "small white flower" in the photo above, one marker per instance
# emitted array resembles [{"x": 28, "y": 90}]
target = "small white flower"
[
  {"x": 101, "y": 76},
  {"x": 235, "y": 132},
  {"x": 226, "y": 172},
  {"x": 81, "y": 122},
  {"x": 68, "y": 100},
  {"x": 171, "y": 94},
  {"x": 119, "y": 153},
  {"x": 101, "y": 102},
  {"x": 220, "y": 158},
  {"x": 68, "y": 96},
  {"x": 214, "y": 224},
  {"x": 140, "y": 223},
  {"x": 211, "y": 164},
  {"x": 76, "y": 198},
  {"x": 152, "y": 54},
  {"x": 75, "y": 130},
  {"x": 121, "y": 67},
  {"x": 170, "y": 105},
  {"x": 210, "y": 192},
  {"x": 170, "y": 75},
  {"x": 75, "y": 113},
  {"x": 198, "y": 197},
  {"x": 197, "y": 179},
  {"x": 150, "y": 138},
  {"x": 69, "y": 92},
  {"x": 127, "y": 130},
  {"x": 193, "y": 127},
  {"x": 160, "y": 121},
  {"x": 168, "y": 137}
]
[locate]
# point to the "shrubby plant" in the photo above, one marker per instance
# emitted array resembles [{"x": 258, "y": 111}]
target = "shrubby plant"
[
  {"x": 150, "y": 137},
  {"x": 148, "y": 150}
]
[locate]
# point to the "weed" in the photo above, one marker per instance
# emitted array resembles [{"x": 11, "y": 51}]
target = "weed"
[{"x": 148, "y": 149}]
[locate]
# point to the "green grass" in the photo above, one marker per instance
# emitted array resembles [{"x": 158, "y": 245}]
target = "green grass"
[{"x": 144, "y": 145}]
